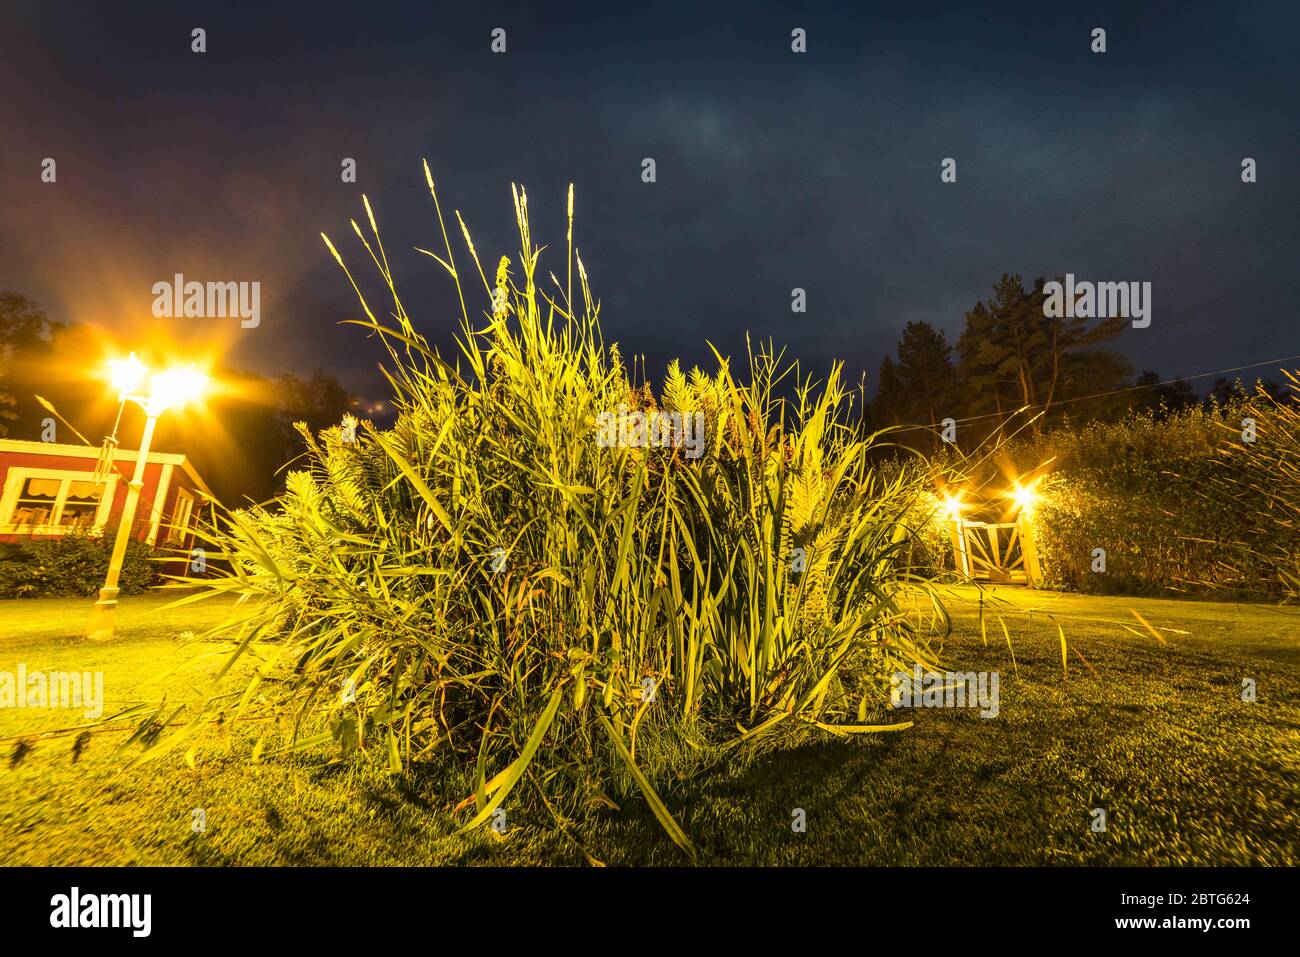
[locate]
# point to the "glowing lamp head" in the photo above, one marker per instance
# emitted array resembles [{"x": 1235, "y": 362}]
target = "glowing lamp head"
[
  {"x": 1025, "y": 497},
  {"x": 952, "y": 505},
  {"x": 126, "y": 374},
  {"x": 175, "y": 387}
]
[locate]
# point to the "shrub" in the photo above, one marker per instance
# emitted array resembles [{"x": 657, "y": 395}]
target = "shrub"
[
  {"x": 928, "y": 553},
  {"x": 72, "y": 565},
  {"x": 1175, "y": 510},
  {"x": 560, "y": 620}
]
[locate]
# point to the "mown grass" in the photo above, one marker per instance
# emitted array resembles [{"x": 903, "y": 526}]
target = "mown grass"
[{"x": 1153, "y": 731}]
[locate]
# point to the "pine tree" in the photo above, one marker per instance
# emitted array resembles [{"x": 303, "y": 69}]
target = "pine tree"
[
  {"x": 920, "y": 388},
  {"x": 926, "y": 375},
  {"x": 1012, "y": 355}
]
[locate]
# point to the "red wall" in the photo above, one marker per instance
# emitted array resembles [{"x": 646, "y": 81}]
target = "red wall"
[{"x": 144, "y": 511}]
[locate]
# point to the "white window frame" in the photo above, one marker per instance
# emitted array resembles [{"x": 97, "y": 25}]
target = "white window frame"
[
  {"x": 176, "y": 532},
  {"x": 18, "y": 477}
]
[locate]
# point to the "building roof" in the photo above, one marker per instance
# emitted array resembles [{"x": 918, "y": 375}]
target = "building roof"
[{"x": 24, "y": 447}]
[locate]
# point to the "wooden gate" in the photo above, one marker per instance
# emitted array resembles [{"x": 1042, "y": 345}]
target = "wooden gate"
[{"x": 1000, "y": 552}]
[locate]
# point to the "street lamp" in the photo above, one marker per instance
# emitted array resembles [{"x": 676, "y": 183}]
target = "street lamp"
[{"x": 167, "y": 390}]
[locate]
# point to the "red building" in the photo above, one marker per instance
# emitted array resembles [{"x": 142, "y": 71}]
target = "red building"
[{"x": 47, "y": 490}]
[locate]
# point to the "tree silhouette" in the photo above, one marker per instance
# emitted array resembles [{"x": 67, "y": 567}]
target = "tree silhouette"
[
  {"x": 1012, "y": 355},
  {"x": 1162, "y": 399},
  {"x": 920, "y": 388}
]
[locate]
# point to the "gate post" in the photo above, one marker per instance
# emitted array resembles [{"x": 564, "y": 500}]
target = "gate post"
[
  {"x": 959, "y": 545},
  {"x": 1029, "y": 547}
]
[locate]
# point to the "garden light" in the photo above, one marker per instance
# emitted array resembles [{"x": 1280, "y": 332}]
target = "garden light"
[
  {"x": 1024, "y": 496},
  {"x": 953, "y": 505}
]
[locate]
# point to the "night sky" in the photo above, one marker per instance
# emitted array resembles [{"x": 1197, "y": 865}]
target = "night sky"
[{"x": 775, "y": 170}]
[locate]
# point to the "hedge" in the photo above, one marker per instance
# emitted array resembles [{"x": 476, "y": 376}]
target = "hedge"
[
  {"x": 1177, "y": 501},
  {"x": 72, "y": 565}
]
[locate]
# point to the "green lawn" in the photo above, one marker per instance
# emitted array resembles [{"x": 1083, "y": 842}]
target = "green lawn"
[{"x": 1155, "y": 732}]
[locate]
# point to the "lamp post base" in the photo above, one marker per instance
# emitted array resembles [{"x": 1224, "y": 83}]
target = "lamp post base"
[{"x": 102, "y": 616}]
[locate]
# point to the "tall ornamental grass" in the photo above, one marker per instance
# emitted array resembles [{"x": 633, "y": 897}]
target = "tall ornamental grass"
[
  {"x": 564, "y": 622},
  {"x": 1265, "y": 474}
]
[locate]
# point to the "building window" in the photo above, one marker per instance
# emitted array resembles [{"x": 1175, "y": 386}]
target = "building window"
[
  {"x": 181, "y": 515},
  {"x": 49, "y": 501}
]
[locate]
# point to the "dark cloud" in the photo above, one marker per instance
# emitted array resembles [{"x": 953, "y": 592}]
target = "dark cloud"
[{"x": 775, "y": 170}]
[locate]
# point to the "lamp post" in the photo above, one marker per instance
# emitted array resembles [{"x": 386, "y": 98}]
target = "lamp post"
[{"x": 172, "y": 388}]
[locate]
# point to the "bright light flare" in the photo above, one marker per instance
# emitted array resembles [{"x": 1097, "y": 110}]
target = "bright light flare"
[
  {"x": 953, "y": 505},
  {"x": 176, "y": 387},
  {"x": 126, "y": 374},
  {"x": 1025, "y": 496}
]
